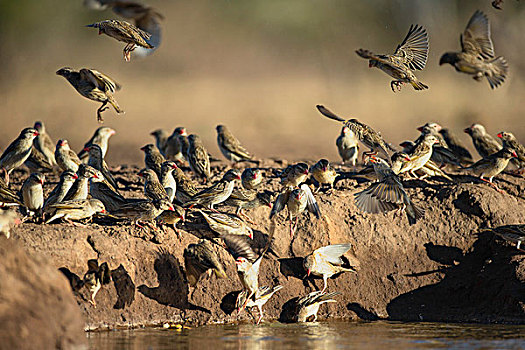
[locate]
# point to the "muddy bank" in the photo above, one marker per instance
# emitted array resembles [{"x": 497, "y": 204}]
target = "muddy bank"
[{"x": 446, "y": 267}]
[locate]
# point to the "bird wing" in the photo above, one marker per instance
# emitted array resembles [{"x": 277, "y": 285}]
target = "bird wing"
[
  {"x": 311, "y": 203},
  {"x": 71, "y": 204},
  {"x": 238, "y": 246},
  {"x": 74, "y": 280},
  {"x": 329, "y": 114},
  {"x": 200, "y": 159},
  {"x": 476, "y": 37},
  {"x": 92, "y": 265},
  {"x": 413, "y": 51},
  {"x": 230, "y": 143},
  {"x": 332, "y": 253},
  {"x": 194, "y": 268},
  {"x": 128, "y": 28},
  {"x": 151, "y": 24},
  {"x": 104, "y": 274},
  {"x": 210, "y": 192},
  {"x": 280, "y": 203},
  {"x": 124, "y": 286},
  {"x": 100, "y": 80}
]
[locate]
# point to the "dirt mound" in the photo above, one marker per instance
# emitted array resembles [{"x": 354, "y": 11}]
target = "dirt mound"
[{"x": 446, "y": 267}]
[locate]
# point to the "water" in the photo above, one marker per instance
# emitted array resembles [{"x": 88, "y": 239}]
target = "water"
[{"x": 334, "y": 335}]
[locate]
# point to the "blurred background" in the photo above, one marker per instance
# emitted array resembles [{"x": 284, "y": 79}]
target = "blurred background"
[{"x": 258, "y": 66}]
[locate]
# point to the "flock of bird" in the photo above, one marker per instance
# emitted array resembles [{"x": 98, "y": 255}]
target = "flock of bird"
[{"x": 88, "y": 188}]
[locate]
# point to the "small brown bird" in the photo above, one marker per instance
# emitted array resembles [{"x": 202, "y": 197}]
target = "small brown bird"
[
  {"x": 65, "y": 157},
  {"x": 224, "y": 224},
  {"x": 368, "y": 136},
  {"x": 44, "y": 144},
  {"x": 230, "y": 147},
  {"x": 477, "y": 53},
  {"x": 185, "y": 188},
  {"x": 96, "y": 160},
  {"x": 294, "y": 175},
  {"x": 99, "y": 138},
  {"x": 74, "y": 210},
  {"x": 198, "y": 158},
  {"x": 153, "y": 159},
  {"x": 260, "y": 298},
  {"x": 420, "y": 154},
  {"x": 95, "y": 278},
  {"x": 510, "y": 141},
  {"x": 18, "y": 151},
  {"x": 33, "y": 193},
  {"x": 93, "y": 85},
  {"x": 347, "y": 146},
  {"x": 152, "y": 187},
  {"x": 492, "y": 165},
  {"x": 80, "y": 188},
  {"x": 8, "y": 218},
  {"x": 326, "y": 262},
  {"x": 167, "y": 180},
  {"x": 309, "y": 305},
  {"x": 455, "y": 145},
  {"x": 161, "y": 136},
  {"x": 401, "y": 162},
  {"x": 484, "y": 143},
  {"x": 217, "y": 193},
  {"x": 198, "y": 259},
  {"x": 323, "y": 173},
  {"x": 172, "y": 217},
  {"x": 387, "y": 194},
  {"x": 251, "y": 178},
  {"x": 143, "y": 211},
  {"x": 182, "y": 137},
  {"x": 172, "y": 148},
  {"x": 409, "y": 56},
  {"x": 125, "y": 32}
]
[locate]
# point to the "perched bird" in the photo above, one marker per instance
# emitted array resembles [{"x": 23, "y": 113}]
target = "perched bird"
[
  {"x": 18, "y": 151},
  {"x": 38, "y": 162},
  {"x": 364, "y": 133},
  {"x": 95, "y": 86},
  {"x": 167, "y": 180},
  {"x": 44, "y": 144},
  {"x": 217, "y": 193},
  {"x": 492, "y": 165},
  {"x": 198, "y": 158},
  {"x": 96, "y": 160},
  {"x": 511, "y": 233},
  {"x": 455, "y": 145},
  {"x": 99, "y": 138},
  {"x": 294, "y": 175},
  {"x": 420, "y": 154},
  {"x": 409, "y": 56},
  {"x": 161, "y": 136},
  {"x": 104, "y": 192},
  {"x": 185, "y": 188},
  {"x": 477, "y": 53},
  {"x": 74, "y": 210},
  {"x": 95, "y": 278},
  {"x": 8, "y": 196},
  {"x": 297, "y": 201},
  {"x": 143, "y": 211},
  {"x": 152, "y": 187},
  {"x": 484, "y": 143},
  {"x": 182, "y": 137},
  {"x": 125, "y": 32},
  {"x": 323, "y": 173},
  {"x": 510, "y": 141},
  {"x": 230, "y": 147},
  {"x": 172, "y": 217},
  {"x": 65, "y": 157},
  {"x": 261, "y": 297},
  {"x": 326, "y": 262},
  {"x": 33, "y": 193},
  {"x": 153, "y": 159},
  {"x": 387, "y": 194},
  {"x": 198, "y": 259},
  {"x": 80, "y": 188},
  {"x": 441, "y": 155},
  {"x": 8, "y": 218},
  {"x": 172, "y": 148},
  {"x": 309, "y": 305},
  {"x": 347, "y": 145},
  {"x": 224, "y": 224},
  {"x": 251, "y": 178},
  {"x": 401, "y": 162},
  {"x": 248, "y": 199}
]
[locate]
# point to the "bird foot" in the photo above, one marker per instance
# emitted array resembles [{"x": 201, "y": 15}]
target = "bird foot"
[
  {"x": 396, "y": 84},
  {"x": 94, "y": 303}
]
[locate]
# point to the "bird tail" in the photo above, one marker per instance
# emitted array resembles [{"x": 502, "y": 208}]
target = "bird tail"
[
  {"x": 418, "y": 85},
  {"x": 114, "y": 103},
  {"x": 414, "y": 213},
  {"x": 498, "y": 72},
  {"x": 329, "y": 114}
]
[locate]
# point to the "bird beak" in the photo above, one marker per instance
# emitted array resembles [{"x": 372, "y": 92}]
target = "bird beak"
[
  {"x": 171, "y": 208},
  {"x": 143, "y": 148},
  {"x": 500, "y": 135},
  {"x": 36, "y": 133},
  {"x": 370, "y": 65},
  {"x": 238, "y": 177},
  {"x": 514, "y": 154},
  {"x": 407, "y": 159},
  {"x": 112, "y": 132},
  {"x": 254, "y": 176},
  {"x": 17, "y": 221},
  {"x": 86, "y": 149},
  {"x": 181, "y": 218},
  {"x": 103, "y": 211},
  {"x": 420, "y": 129},
  {"x": 467, "y": 130},
  {"x": 251, "y": 235},
  {"x": 270, "y": 205},
  {"x": 75, "y": 176},
  {"x": 308, "y": 272},
  {"x": 324, "y": 168},
  {"x": 174, "y": 166},
  {"x": 306, "y": 172}
]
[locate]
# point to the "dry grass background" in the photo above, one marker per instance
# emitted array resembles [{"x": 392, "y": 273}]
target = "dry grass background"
[{"x": 259, "y": 67}]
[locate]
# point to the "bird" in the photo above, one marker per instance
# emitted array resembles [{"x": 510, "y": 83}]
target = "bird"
[
  {"x": 248, "y": 199},
  {"x": 294, "y": 175},
  {"x": 261, "y": 297},
  {"x": 309, "y": 305},
  {"x": 95, "y": 86},
  {"x": 8, "y": 218},
  {"x": 387, "y": 194},
  {"x": 161, "y": 136},
  {"x": 230, "y": 147},
  {"x": 455, "y": 145},
  {"x": 75, "y": 210},
  {"x": 143, "y": 211},
  {"x": 172, "y": 217},
  {"x": 420, "y": 154},
  {"x": 33, "y": 193},
  {"x": 251, "y": 178},
  {"x": 17, "y": 152},
  {"x": 409, "y": 56},
  {"x": 124, "y": 287},
  {"x": 401, "y": 162},
  {"x": 217, "y": 193},
  {"x": 182, "y": 137},
  {"x": 441, "y": 155},
  {"x": 125, "y": 32},
  {"x": 326, "y": 262},
  {"x": 511, "y": 233},
  {"x": 99, "y": 138},
  {"x": 153, "y": 159},
  {"x": 323, "y": 173},
  {"x": 222, "y": 224},
  {"x": 347, "y": 145},
  {"x": 198, "y": 158},
  {"x": 185, "y": 188},
  {"x": 80, "y": 188},
  {"x": 492, "y": 165},
  {"x": 152, "y": 187},
  {"x": 483, "y": 142},
  {"x": 105, "y": 193},
  {"x": 38, "y": 162},
  {"x": 477, "y": 53},
  {"x": 198, "y": 259},
  {"x": 172, "y": 147},
  {"x": 167, "y": 180},
  {"x": 8, "y": 196},
  {"x": 44, "y": 143},
  {"x": 510, "y": 141},
  {"x": 96, "y": 160},
  {"x": 297, "y": 201},
  {"x": 364, "y": 133},
  {"x": 65, "y": 157},
  {"x": 95, "y": 277}
]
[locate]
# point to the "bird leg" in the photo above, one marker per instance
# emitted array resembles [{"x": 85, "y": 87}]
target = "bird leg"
[
  {"x": 492, "y": 184},
  {"x": 6, "y": 176},
  {"x": 127, "y": 51},
  {"x": 397, "y": 83},
  {"x": 261, "y": 314},
  {"x": 100, "y": 110},
  {"x": 245, "y": 217},
  {"x": 325, "y": 284}
]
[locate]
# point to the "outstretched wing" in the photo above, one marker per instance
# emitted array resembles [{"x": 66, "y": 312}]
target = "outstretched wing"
[
  {"x": 328, "y": 113},
  {"x": 311, "y": 203},
  {"x": 413, "y": 51},
  {"x": 100, "y": 80},
  {"x": 332, "y": 253},
  {"x": 238, "y": 246},
  {"x": 476, "y": 37}
]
